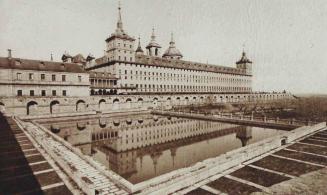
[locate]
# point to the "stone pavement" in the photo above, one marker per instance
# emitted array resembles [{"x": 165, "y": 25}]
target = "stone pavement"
[
  {"x": 23, "y": 169},
  {"x": 88, "y": 178},
  {"x": 314, "y": 183}
]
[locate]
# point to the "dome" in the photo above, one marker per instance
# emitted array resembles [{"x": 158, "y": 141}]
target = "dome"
[{"x": 172, "y": 51}]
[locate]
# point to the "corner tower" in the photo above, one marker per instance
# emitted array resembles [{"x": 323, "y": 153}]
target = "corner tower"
[
  {"x": 120, "y": 46},
  {"x": 244, "y": 63}
]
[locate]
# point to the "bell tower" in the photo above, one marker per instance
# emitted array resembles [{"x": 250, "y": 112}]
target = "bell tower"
[{"x": 120, "y": 46}]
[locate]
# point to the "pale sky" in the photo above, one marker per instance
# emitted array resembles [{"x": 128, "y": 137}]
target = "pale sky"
[{"x": 286, "y": 39}]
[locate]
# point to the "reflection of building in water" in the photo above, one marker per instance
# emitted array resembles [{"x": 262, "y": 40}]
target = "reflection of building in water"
[
  {"x": 129, "y": 163},
  {"x": 158, "y": 130},
  {"x": 245, "y": 135},
  {"x": 155, "y": 156},
  {"x": 173, "y": 154},
  {"x": 139, "y": 144},
  {"x": 135, "y": 131}
]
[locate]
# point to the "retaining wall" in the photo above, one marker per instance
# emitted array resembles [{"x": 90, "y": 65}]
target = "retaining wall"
[{"x": 52, "y": 106}]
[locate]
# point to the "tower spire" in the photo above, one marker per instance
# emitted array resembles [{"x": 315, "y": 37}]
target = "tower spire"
[
  {"x": 119, "y": 22},
  {"x": 139, "y": 49},
  {"x": 243, "y": 50},
  {"x": 139, "y": 45},
  {"x": 153, "y": 36},
  {"x": 172, "y": 42}
]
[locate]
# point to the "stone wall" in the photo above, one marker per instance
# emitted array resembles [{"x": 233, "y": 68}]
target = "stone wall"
[{"x": 56, "y": 106}]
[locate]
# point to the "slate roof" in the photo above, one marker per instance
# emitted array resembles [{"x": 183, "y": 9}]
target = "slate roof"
[
  {"x": 172, "y": 51},
  {"x": 120, "y": 36},
  {"x": 39, "y": 65}
]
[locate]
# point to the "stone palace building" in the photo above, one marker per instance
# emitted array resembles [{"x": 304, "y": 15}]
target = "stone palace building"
[{"x": 124, "y": 79}]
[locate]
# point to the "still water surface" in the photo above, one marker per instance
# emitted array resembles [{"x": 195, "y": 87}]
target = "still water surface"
[{"x": 140, "y": 147}]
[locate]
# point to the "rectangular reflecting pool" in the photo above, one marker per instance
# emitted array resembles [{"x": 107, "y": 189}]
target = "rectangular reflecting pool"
[{"x": 141, "y": 147}]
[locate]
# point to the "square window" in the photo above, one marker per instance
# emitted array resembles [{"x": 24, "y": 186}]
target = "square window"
[
  {"x": 64, "y": 93},
  {"x": 42, "y": 77},
  {"x": 19, "y": 76},
  {"x": 43, "y": 93},
  {"x": 53, "y": 77},
  {"x": 31, "y": 92},
  {"x": 63, "y": 77},
  {"x": 19, "y": 92},
  {"x": 54, "y": 93},
  {"x": 31, "y": 76}
]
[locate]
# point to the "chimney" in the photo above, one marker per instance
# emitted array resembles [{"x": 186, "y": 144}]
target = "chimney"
[{"x": 9, "y": 53}]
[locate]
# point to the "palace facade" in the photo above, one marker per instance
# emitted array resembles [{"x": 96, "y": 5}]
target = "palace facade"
[
  {"x": 150, "y": 72},
  {"x": 124, "y": 79}
]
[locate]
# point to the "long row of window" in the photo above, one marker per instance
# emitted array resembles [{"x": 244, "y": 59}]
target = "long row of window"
[
  {"x": 183, "y": 70},
  {"x": 43, "y": 93},
  {"x": 185, "y": 76},
  {"x": 31, "y": 77},
  {"x": 179, "y": 76},
  {"x": 121, "y": 58},
  {"x": 187, "y": 79},
  {"x": 167, "y": 88},
  {"x": 110, "y": 45}
]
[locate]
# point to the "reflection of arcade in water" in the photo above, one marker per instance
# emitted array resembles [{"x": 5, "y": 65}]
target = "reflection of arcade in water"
[{"x": 142, "y": 147}]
